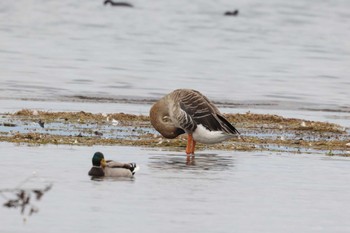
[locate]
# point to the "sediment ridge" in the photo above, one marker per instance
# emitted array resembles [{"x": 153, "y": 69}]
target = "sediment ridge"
[{"x": 259, "y": 132}]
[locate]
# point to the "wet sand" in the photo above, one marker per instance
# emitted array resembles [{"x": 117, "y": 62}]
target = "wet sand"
[{"x": 259, "y": 132}]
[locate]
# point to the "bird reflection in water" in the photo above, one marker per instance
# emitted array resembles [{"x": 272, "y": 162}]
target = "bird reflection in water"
[
  {"x": 190, "y": 160},
  {"x": 112, "y": 179},
  {"x": 213, "y": 162}
]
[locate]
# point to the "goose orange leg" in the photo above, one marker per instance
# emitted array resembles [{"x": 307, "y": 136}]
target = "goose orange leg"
[
  {"x": 189, "y": 146},
  {"x": 193, "y": 146}
]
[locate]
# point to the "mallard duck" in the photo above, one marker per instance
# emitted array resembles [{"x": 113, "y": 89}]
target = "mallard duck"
[
  {"x": 118, "y": 3},
  {"x": 110, "y": 168},
  {"x": 188, "y": 111}
]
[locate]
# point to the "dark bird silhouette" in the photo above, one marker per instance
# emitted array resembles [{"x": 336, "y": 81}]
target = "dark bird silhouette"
[
  {"x": 118, "y": 3},
  {"x": 41, "y": 123},
  {"x": 232, "y": 13},
  {"x": 97, "y": 133}
]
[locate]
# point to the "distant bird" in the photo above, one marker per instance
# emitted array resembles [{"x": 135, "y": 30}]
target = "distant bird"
[
  {"x": 118, "y": 3},
  {"x": 188, "y": 111},
  {"x": 41, "y": 123},
  {"x": 97, "y": 133},
  {"x": 110, "y": 168},
  {"x": 231, "y": 13}
]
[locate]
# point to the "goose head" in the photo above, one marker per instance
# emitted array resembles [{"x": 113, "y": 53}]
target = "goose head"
[{"x": 161, "y": 121}]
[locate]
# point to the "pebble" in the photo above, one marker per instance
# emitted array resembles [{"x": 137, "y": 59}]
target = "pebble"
[{"x": 347, "y": 144}]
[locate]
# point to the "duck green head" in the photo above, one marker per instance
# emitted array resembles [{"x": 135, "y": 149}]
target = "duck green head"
[{"x": 98, "y": 159}]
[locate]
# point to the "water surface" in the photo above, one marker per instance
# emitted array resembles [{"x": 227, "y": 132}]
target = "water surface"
[
  {"x": 292, "y": 52},
  {"x": 219, "y": 191}
]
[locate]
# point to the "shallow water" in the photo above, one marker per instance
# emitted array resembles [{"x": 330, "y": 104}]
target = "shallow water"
[
  {"x": 220, "y": 191},
  {"x": 294, "y": 52}
]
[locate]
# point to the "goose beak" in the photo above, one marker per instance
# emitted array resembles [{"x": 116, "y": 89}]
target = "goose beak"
[{"x": 103, "y": 163}]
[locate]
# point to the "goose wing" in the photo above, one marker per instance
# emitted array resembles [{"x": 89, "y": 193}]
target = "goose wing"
[{"x": 202, "y": 111}]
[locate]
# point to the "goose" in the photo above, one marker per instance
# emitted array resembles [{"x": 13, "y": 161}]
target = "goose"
[
  {"x": 189, "y": 111},
  {"x": 118, "y": 3},
  {"x": 110, "y": 168}
]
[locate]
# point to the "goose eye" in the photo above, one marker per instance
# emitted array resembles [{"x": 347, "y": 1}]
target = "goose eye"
[{"x": 166, "y": 119}]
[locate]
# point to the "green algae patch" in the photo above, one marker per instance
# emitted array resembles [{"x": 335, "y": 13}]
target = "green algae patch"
[{"x": 259, "y": 132}]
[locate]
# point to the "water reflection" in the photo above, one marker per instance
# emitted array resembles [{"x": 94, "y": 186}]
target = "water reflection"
[
  {"x": 205, "y": 161},
  {"x": 220, "y": 191},
  {"x": 112, "y": 179}
]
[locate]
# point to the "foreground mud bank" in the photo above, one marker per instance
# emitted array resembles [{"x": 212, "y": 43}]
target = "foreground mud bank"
[{"x": 259, "y": 132}]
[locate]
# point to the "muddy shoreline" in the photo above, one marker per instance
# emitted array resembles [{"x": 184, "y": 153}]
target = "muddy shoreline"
[{"x": 260, "y": 132}]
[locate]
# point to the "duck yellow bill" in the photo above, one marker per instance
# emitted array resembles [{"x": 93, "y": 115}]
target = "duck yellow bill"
[{"x": 103, "y": 163}]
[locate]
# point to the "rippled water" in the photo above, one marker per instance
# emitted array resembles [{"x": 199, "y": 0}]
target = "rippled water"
[
  {"x": 285, "y": 51},
  {"x": 219, "y": 191}
]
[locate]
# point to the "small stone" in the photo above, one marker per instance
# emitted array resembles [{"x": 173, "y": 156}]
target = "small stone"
[{"x": 9, "y": 124}]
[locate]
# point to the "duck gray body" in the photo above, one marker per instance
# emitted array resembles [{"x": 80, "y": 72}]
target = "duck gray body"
[
  {"x": 122, "y": 170},
  {"x": 110, "y": 168}
]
